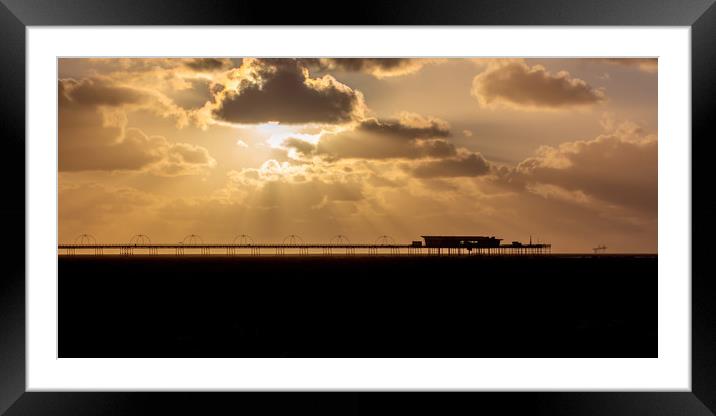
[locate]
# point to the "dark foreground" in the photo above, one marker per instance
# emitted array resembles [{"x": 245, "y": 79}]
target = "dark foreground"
[{"x": 166, "y": 306}]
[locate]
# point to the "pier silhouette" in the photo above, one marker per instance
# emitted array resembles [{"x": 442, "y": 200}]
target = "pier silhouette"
[{"x": 244, "y": 244}]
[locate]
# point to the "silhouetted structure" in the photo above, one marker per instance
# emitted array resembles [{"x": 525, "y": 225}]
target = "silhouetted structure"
[
  {"x": 460, "y": 241},
  {"x": 600, "y": 249},
  {"x": 434, "y": 245}
]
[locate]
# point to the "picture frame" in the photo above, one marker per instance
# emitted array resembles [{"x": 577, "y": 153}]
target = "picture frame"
[{"x": 16, "y": 15}]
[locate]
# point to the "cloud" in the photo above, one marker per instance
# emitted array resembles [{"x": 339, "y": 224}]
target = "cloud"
[
  {"x": 123, "y": 66},
  {"x": 407, "y": 126},
  {"x": 93, "y": 92},
  {"x": 410, "y": 136},
  {"x": 520, "y": 86},
  {"x": 281, "y": 90},
  {"x": 377, "y": 67},
  {"x": 617, "y": 169},
  {"x": 179, "y": 159},
  {"x": 93, "y": 134},
  {"x": 299, "y": 145},
  {"x": 208, "y": 64},
  {"x": 464, "y": 165},
  {"x": 105, "y": 94},
  {"x": 421, "y": 142},
  {"x": 170, "y": 87}
]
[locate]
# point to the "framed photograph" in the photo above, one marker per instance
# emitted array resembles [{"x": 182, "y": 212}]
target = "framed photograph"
[{"x": 492, "y": 199}]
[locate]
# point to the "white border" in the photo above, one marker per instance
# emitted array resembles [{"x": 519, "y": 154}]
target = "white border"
[{"x": 671, "y": 371}]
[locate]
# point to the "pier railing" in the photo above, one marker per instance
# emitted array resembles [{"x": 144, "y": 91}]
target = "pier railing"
[{"x": 297, "y": 248}]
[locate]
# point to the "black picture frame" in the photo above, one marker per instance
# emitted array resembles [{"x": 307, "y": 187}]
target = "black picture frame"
[{"x": 15, "y": 15}]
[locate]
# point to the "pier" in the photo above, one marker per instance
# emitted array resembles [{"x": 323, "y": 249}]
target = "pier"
[{"x": 294, "y": 245}]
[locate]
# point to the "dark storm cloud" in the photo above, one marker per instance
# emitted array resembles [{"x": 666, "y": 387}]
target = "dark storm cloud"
[
  {"x": 283, "y": 91},
  {"x": 467, "y": 165},
  {"x": 521, "y": 86}
]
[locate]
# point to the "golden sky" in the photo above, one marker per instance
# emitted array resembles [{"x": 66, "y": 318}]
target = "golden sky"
[{"x": 564, "y": 150}]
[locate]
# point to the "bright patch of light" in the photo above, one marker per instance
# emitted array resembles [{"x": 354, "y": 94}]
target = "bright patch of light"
[
  {"x": 278, "y": 133},
  {"x": 270, "y": 167},
  {"x": 272, "y": 170},
  {"x": 270, "y": 127}
]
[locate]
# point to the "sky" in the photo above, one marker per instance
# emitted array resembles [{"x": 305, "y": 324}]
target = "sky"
[{"x": 560, "y": 150}]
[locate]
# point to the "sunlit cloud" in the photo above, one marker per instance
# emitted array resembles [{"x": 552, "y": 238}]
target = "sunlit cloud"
[{"x": 520, "y": 86}]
